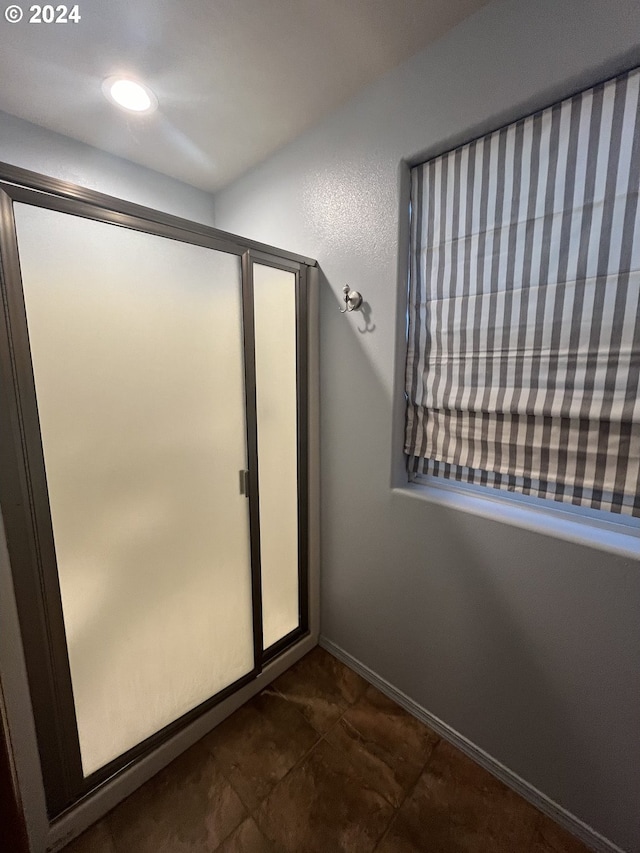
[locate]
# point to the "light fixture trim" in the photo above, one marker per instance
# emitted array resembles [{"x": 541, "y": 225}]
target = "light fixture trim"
[{"x": 129, "y": 94}]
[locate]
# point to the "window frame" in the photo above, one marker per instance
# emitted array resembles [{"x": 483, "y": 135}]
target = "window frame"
[{"x": 614, "y": 532}]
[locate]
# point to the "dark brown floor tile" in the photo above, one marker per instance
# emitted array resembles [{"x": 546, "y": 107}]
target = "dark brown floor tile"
[
  {"x": 510, "y": 823},
  {"x": 259, "y": 744},
  {"x": 405, "y": 837},
  {"x": 247, "y": 838},
  {"x": 189, "y": 806},
  {"x": 457, "y": 807},
  {"x": 324, "y": 795},
  {"x": 322, "y": 806},
  {"x": 97, "y": 839},
  {"x": 423, "y": 827},
  {"x": 387, "y": 745},
  {"x": 551, "y": 838},
  {"x": 449, "y": 765},
  {"x": 321, "y": 687}
]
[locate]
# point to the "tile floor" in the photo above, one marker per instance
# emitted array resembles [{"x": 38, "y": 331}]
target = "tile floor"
[{"x": 322, "y": 762}]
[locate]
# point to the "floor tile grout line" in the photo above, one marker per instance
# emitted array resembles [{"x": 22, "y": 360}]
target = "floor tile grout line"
[
  {"x": 346, "y": 755},
  {"x": 339, "y": 719},
  {"x": 225, "y": 775},
  {"x": 353, "y": 764},
  {"x": 250, "y": 810},
  {"x": 408, "y": 794},
  {"x": 361, "y": 735},
  {"x": 247, "y": 813},
  {"x": 253, "y": 813},
  {"x": 230, "y": 833},
  {"x": 386, "y": 830},
  {"x": 301, "y": 760},
  {"x": 319, "y": 737}
]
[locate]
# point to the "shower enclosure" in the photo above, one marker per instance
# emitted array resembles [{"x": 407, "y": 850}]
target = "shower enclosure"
[{"x": 154, "y": 469}]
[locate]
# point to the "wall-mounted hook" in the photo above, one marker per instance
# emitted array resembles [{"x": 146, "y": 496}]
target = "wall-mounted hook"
[{"x": 352, "y": 300}]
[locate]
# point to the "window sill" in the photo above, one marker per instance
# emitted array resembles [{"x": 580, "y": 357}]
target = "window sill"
[{"x": 613, "y": 537}]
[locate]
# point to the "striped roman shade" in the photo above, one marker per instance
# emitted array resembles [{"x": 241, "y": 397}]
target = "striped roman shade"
[{"x": 524, "y": 336}]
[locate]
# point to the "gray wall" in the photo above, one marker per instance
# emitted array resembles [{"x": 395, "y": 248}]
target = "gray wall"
[
  {"x": 30, "y": 147},
  {"x": 526, "y": 644}
]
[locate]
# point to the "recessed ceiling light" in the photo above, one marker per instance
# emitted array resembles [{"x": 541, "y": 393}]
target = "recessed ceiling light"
[{"x": 129, "y": 94}]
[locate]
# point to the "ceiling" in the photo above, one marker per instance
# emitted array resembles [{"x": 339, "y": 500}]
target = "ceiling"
[{"x": 235, "y": 79}]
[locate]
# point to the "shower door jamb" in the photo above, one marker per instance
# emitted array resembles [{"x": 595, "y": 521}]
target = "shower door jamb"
[{"x": 22, "y": 492}]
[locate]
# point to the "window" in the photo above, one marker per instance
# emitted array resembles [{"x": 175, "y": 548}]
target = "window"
[{"x": 524, "y": 334}]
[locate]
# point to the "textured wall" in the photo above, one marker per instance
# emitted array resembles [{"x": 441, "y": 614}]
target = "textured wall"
[
  {"x": 30, "y": 147},
  {"x": 526, "y": 644}
]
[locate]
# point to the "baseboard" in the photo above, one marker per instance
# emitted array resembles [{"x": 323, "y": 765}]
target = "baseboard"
[{"x": 560, "y": 815}]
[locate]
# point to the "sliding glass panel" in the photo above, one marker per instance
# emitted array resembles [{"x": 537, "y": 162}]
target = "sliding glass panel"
[
  {"x": 275, "y": 342},
  {"x": 136, "y": 344}
]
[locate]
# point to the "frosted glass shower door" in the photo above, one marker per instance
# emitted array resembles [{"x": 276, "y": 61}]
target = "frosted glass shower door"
[
  {"x": 136, "y": 345},
  {"x": 274, "y": 295}
]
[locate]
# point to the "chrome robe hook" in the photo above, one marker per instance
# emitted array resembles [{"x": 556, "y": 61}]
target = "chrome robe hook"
[{"x": 352, "y": 300}]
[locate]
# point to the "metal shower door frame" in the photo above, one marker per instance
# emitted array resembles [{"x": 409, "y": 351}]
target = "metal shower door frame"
[{"x": 23, "y": 490}]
